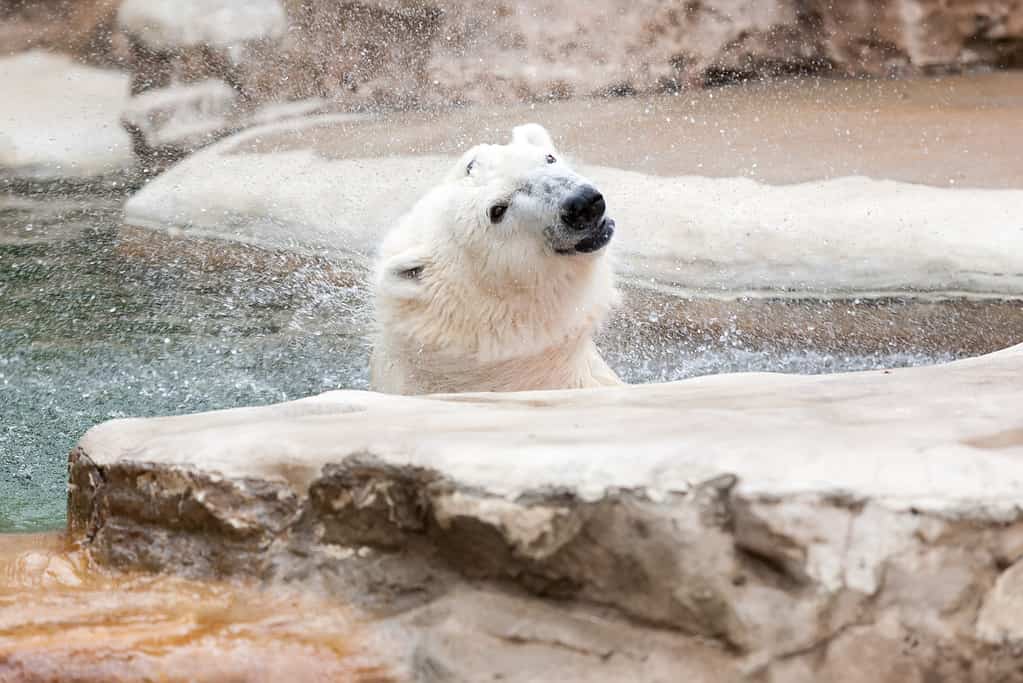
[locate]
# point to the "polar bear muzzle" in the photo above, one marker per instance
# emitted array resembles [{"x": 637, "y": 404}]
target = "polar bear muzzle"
[
  {"x": 583, "y": 217},
  {"x": 583, "y": 208}
]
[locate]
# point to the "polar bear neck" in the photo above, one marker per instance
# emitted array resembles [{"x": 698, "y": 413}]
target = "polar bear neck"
[
  {"x": 469, "y": 316},
  {"x": 574, "y": 366}
]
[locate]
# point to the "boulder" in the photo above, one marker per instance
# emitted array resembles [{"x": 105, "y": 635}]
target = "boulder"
[
  {"x": 64, "y": 122},
  {"x": 1000, "y": 620},
  {"x": 172, "y": 25},
  {"x": 858, "y": 527},
  {"x": 406, "y": 55},
  {"x": 381, "y": 51},
  {"x": 290, "y": 187},
  {"x": 192, "y": 64}
]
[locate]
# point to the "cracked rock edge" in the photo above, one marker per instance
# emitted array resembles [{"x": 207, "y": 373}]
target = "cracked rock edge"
[{"x": 705, "y": 562}]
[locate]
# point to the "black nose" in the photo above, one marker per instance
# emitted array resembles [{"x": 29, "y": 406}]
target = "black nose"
[{"x": 583, "y": 208}]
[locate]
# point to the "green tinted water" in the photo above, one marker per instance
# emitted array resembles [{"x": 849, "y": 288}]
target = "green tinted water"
[{"x": 86, "y": 335}]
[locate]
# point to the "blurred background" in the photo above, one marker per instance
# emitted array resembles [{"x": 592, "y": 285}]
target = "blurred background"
[{"x": 225, "y": 61}]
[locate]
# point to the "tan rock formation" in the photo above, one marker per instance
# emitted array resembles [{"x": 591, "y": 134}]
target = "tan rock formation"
[
  {"x": 860, "y": 527},
  {"x": 392, "y": 54}
]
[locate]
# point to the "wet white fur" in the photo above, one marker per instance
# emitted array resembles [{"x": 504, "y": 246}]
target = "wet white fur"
[{"x": 463, "y": 304}]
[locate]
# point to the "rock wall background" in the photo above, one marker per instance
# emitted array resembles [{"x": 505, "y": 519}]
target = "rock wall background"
[
  {"x": 206, "y": 67},
  {"x": 86, "y": 29},
  {"x": 415, "y": 52},
  {"x": 408, "y": 52}
]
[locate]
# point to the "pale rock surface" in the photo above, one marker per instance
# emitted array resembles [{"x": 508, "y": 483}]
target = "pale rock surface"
[
  {"x": 180, "y": 116},
  {"x": 168, "y": 123},
  {"x": 167, "y": 25},
  {"x": 190, "y": 63},
  {"x": 404, "y": 54},
  {"x": 59, "y": 119},
  {"x": 1001, "y": 618},
  {"x": 849, "y": 236},
  {"x": 849, "y": 527}
]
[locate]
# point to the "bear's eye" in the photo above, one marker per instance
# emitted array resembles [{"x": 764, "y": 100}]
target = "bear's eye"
[
  {"x": 551, "y": 159},
  {"x": 497, "y": 212},
  {"x": 411, "y": 273},
  {"x": 468, "y": 169}
]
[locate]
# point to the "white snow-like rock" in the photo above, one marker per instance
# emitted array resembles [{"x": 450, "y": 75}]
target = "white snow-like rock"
[
  {"x": 59, "y": 119},
  {"x": 182, "y": 114},
  {"x": 850, "y": 236},
  {"x": 167, "y": 25}
]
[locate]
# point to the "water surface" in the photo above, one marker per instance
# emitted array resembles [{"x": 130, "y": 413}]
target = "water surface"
[{"x": 87, "y": 335}]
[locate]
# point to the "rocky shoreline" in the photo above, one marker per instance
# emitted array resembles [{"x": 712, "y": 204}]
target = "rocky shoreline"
[{"x": 846, "y": 503}]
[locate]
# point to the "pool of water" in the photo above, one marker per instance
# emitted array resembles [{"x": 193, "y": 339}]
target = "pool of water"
[{"x": 88, "y": 334}]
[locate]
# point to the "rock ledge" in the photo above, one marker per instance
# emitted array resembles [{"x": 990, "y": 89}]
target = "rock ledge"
[{"x": 745, "y": 527}]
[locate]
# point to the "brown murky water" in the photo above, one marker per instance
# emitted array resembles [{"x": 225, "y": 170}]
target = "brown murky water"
[{"x": 64, "y": 620}]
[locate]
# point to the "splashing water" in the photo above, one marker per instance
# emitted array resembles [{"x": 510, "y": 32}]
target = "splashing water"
[{"x": 89, "y": 334}]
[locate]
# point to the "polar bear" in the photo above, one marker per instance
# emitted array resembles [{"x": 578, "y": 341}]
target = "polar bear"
[{"x": 497, "y": 279}]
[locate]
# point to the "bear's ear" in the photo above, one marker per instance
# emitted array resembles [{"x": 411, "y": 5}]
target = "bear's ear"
[
  {"x": 532, "y": 134},
  {"x": 465, "y": 164},
  {"x": 401, "y": 276}
]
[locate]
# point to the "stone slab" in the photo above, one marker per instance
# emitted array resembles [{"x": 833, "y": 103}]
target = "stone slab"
[
  {"x": 60, "y": 120},
  {"x": 167, "y": 25},
  {"x": 940, "y": 438},
  {"x": 773, "y": 527},
  {"x": 842, "y": 237}
]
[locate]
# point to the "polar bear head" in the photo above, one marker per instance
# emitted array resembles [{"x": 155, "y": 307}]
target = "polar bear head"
[
  {"x": 505, "y": 259},
  {"x": 526, "y": 195}
]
